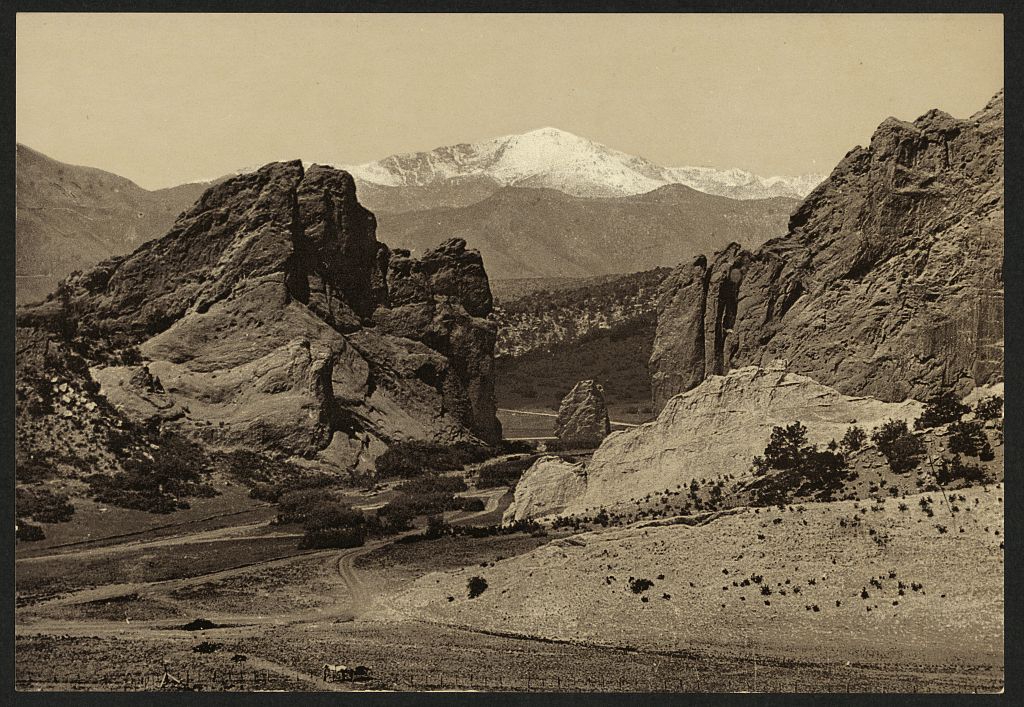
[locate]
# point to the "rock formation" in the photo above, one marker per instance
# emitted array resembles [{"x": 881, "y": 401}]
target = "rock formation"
[
  {"x": 717, "y": 428},
  {"x": 545, "y": 489},
  {"x": 582, "y": 417},
  {"x": 888, "y": 283},
  {"x": 275, "y": 320}
]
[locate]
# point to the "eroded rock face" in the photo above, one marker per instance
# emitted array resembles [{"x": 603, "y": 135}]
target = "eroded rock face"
[
  {"x": 889, "y": 282},
  {"x": 274, "y": 319},
  {"x": 545, "y": 489},
  {"x": 582, "y": 416},
  {"x": 718, "y": 427}
]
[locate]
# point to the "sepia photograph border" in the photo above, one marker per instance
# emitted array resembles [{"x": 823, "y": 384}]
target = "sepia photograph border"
[{"x": 1014, "y": 299}]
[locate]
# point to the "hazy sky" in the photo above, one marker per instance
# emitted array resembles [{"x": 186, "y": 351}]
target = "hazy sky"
[{"x": 165, "y": 99}]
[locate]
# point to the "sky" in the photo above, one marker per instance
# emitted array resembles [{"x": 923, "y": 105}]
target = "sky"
[{"x": 168, "y": 99}]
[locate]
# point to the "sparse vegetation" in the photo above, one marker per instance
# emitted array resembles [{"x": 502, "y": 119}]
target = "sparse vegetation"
[
  {"x": 941, "y": 409},
  {"x": 409, "y": 459},
  {"x": 475, "y": 587},
  {"x": 990, "y": 408},
  {"x": 42, "y": 505},
  {"x": 969, "y": 438},
  {"x": 638, "y": 585},
  {"x": 506, "y": 472},
  {"x": 853, "y": 439},
  {"x": 902, "y": 449}
]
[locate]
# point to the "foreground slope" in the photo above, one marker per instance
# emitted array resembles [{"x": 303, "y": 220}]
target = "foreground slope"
[
  {"x": 888, "y": 283},
  {"x": 826, "y": 581},
  {"x": 71, "y": 217}
]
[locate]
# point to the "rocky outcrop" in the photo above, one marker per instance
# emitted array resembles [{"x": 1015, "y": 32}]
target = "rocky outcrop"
[
  {"x": 582, "y": 417},
  {"x": 718, "y": 427},
  {"x": 275, "y": 320},
  {"x": 888, "y": 283},
  {"x": 545, "y": 489}
]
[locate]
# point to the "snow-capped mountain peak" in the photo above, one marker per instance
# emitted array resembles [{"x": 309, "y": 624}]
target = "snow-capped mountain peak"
[{"x": 551, "y": 158}]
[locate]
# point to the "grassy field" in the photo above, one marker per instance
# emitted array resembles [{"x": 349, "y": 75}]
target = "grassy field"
[
  {"x": 401, "y": 562},
  {"x": 95, "y": 524},
  {"x": 39, "y": 578}
]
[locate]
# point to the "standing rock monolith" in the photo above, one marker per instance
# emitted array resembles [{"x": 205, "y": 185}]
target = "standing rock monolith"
[{"x": 582, "y": 417}]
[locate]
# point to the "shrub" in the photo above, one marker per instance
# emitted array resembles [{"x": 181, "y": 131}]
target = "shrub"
[
  {"x": 854, "y": 438},
  {"x": 33, "y": 471},
  {"x": 905, "y": 454},
  {"x": 199, "y": 625},
  {"x": 967, "y": 438},
  {"x": 42, "y": 505},
  {"x": 436, "y": 527},
  {"x": 394, "y": 518},
  {"x": 29, "y": 533},
  {"x": 503, "y": 473},
  {"x": 954, "y": 469},
  {"x": 638, "y": 585},
  {"x": 888, "y": 433},
  {"x": 296, "y": 506},
  {"x": 333, "y": 537},
  {"x": 432, "y": 484},
  {"x": 800, "y": 468},
  {"x": 156, "y": 483},
  {"x": 476, "y": 586},
  {"x": 990, "y": 408},
  {"x": 941, "y": 409},
  {"x": 515, "y": 446},
  {"x": 333, "y": 524},
  {"x": 408, "y": 459},
  {"x": 903, "y": 451},
  {"x": 268, "y": 478},
  {"x": 473, "y": 505}
]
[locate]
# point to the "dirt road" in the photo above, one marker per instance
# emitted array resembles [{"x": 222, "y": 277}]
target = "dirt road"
[{"x": 551, "y": 414}]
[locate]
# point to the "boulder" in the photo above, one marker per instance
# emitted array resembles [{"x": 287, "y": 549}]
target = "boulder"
[
  {"x": 888, "y": 283},
  {"x": 545, "y": 489},
  {"x": 582, "y": 416}
]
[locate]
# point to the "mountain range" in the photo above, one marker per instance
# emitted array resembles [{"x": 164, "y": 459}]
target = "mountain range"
[
  {"x": 555, "y": 159},
  {"x": 545, "y": 203}
]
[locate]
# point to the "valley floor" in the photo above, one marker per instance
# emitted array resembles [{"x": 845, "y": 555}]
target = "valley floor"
[{"x": 115, "y": 620}]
